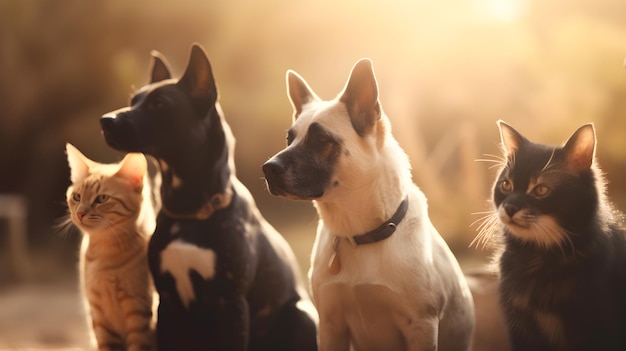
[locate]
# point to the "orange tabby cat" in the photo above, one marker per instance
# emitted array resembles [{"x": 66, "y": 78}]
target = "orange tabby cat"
[{"x": 111, "y": 204}]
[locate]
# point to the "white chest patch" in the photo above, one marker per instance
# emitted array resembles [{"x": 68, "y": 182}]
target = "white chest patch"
[{"x": 179, "y": 258}]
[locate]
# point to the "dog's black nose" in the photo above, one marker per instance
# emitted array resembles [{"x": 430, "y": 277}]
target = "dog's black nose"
[
  {"x": 107, "y": 121},
  {"x": 273, "y": 168},
  {"x": 118, "y": 133}
]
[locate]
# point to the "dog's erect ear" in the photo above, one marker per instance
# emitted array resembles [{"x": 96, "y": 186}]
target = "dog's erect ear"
[
  {"x": 299, "y": 92},
  {"x": 361, "y": 97},
  {"x": 510, "y": 138},
  {"x": 580, "y": 148},
  {"x": 160, "y": 70},
  {"x": 198, "y": 78}
]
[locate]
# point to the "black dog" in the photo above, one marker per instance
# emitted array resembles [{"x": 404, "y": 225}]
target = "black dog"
[{"x": 227, "y": 280}]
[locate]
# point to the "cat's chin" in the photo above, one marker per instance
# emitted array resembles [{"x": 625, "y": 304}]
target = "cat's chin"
[
  {"x": 524, "y": 233},
  {"x": 544, "y": 232},
  {"x": 90, "y": 227}
]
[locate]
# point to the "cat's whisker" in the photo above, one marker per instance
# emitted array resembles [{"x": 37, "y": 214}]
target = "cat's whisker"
[
  {"x": 488, "y": 160},
  {"x": 500, "y": 158},
  {"x": 568, "y": 240},
  {"x": 486, "y": 229},
  {"x": 498, "y": 161},
  {"x": 65, "y": 227},
  {"x": 482, "y": 220},
  {"x": 550, "y": 233}
]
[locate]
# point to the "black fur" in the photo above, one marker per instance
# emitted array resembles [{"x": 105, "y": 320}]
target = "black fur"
[
  {"x": 582, "y": 280},
  {"x": 306, "y": 169},
  {"x": 251, "y": 303}
]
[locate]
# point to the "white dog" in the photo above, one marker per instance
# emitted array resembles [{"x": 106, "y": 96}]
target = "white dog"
[{"x": 382, "y": 278}]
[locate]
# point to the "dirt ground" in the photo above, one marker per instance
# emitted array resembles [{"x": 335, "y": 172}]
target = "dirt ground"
[
  {"x": 42, "y": 317},
  {"x": 45, "y": 311}
]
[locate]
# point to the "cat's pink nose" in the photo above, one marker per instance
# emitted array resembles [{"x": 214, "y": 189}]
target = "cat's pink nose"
[{"x": 80, "y": 215}]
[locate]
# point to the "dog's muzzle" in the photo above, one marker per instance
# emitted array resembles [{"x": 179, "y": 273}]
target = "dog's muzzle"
[
  {"x": 284, "y": 178},
  {"x": 118, "y": 132},
  {"x": 274, "y": 171}
]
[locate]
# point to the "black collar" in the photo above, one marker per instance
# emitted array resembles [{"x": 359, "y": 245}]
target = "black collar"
[{"x": 384, "y": 230}]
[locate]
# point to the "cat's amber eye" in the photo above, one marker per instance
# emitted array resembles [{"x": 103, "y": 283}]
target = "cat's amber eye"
[
  {"x": 506, "y": 186},
  {"x": 76, "y": 197},
  {"x": 541, "y": 190},
  {"x": 101, "y": 198}
]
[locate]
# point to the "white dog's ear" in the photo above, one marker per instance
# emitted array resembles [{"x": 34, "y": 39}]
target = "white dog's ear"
[
  {"x": 361, "y": 97},
  {"x": 299, "y": 91}
]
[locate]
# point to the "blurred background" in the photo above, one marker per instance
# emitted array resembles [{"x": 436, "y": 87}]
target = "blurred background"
[{"x": 447, "y": 71}]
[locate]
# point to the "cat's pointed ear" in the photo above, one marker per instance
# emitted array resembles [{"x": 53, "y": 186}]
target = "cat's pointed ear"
[
  {"x": 580, "y": 148},
  {"x": 79, "y": 163},
  {"x": 510, "y": 138},
  {"x": 132, "y": 168},
  {"x": 361, "y": 97},
  {"x": 300, "y": 93},
  {"x": 198, "y": 78},
  {"x": 160, "y": 68}
]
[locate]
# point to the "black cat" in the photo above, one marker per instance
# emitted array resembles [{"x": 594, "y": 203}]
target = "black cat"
[{"x": 563, "y": 267}]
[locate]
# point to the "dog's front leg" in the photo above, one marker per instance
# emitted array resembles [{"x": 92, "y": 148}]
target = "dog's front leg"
[
  {"x": 333, "y": 335},
  {"x": 420, "y": 334},
  {"x": 218, "y": 324},
  {"x": 232, "y": 324}
]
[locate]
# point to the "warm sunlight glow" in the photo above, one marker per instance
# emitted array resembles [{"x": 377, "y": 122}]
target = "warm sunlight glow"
[{"x": 502, "y": 10}]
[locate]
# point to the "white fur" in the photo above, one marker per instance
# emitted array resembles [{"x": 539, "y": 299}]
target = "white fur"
[
  {"x": 404, "y": 293},
  {"x": 542, "y": 230},
  {"x": 179, "y": 257}
]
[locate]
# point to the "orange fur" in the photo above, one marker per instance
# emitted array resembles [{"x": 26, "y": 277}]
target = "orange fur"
[{"x": 111, "y": 205}]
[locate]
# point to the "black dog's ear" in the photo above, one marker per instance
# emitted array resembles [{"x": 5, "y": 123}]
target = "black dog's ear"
[
  {"x": 361, "y": 97},
  {"x": 160, "y": 70},
  {"x": 198, "y": 79},
  {"x": 299, "y": 92}
]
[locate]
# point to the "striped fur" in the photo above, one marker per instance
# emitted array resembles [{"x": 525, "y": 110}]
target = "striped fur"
[{"x": 111, "y": 204}]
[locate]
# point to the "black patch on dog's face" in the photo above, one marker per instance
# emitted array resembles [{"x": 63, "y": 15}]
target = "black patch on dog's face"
[{"x": 304, "y": 170}]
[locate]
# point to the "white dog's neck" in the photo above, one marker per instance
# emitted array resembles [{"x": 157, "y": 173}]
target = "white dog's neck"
[{"x": 369, "y": 205}]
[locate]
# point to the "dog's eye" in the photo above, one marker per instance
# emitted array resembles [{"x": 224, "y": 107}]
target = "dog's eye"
[
  {"x": 323, "y": 139},
  {"x": 290, "y": 137},
  {"x": 156, "y": 103},
  {"x": 318, "y": 137}
]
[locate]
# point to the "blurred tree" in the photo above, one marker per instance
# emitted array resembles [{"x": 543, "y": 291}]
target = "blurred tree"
[{"x": 447, "y": 71}]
